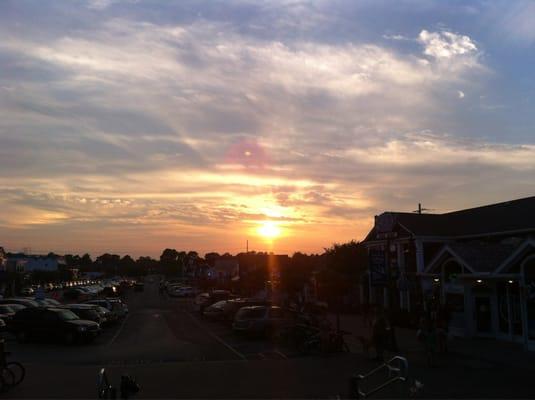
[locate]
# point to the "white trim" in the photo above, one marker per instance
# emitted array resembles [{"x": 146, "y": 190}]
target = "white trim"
[
  {"x": 519, "y": 250},
  {"x": 530, "y": 344},
  {"x": 455, "y": 256},
  {"x": 476, "y": 235}
]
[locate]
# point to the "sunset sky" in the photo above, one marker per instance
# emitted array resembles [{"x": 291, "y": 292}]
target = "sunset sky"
[{"x": 130, "y": 126}]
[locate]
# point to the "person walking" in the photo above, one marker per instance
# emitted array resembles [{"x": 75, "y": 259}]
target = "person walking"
[
  {"x": 442, "y": 323},
  {"x": 427, "y": 336},
  {"x": 379, "y": 334}
]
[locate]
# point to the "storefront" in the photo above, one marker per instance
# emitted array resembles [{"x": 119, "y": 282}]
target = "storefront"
[
  {"x": 479, "y": 263},
  {"x": 493, "y": 299}
]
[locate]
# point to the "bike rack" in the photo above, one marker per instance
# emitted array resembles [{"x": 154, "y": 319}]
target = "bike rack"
[{"x": 398, "y": 371}]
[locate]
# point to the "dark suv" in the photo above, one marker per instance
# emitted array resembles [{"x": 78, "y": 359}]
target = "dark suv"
[
  {"x": 52, "y": 323},
  {"x": 86, "y": 311}
]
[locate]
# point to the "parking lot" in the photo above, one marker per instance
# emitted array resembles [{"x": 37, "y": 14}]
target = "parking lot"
[
  {"x": 157, "y": 329},
  {"x": 174, "y": 352}
]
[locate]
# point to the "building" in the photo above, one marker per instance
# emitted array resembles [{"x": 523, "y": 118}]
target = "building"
[
  {"x": 224, "y": 269},
  {"x": 29, "y": 263},
  {"x": 3, "y": 260},
  {"x": 479, "y": 263}
]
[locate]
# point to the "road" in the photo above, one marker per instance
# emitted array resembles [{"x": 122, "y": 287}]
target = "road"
[
  {"x": 156, "y": 330},
  {"x": 176, "y": 354}
]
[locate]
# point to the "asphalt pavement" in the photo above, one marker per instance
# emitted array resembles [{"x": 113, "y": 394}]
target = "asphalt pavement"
[{"x": 174, "y": 353}]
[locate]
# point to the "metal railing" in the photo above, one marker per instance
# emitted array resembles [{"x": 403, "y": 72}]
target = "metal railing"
[{"x": 397, "y": 371}]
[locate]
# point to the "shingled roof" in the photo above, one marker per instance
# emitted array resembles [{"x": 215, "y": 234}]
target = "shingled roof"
[
  {"x": 481, "y": 256},
  {"x": 510, "y": 216}
]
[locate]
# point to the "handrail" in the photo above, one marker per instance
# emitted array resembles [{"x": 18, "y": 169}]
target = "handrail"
[{"x": 395, "y": 373}]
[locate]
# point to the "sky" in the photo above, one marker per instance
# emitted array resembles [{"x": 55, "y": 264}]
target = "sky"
[{"x": 129, "y": 126}]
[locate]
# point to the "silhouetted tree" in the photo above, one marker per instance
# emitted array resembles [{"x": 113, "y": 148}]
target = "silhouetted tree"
[
  {"x": 108, "y": 263},
  {"x": 211, "y": 257},
  {"x": 349, "y": 258}
]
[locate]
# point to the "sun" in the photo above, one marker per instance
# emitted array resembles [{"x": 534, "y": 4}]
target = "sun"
[{"x": 269, "y": 230}]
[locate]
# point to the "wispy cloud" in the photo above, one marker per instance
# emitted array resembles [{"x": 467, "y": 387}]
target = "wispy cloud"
[{"x": 192, "y": 128}]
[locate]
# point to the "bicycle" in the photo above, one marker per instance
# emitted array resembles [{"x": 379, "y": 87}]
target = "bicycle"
[
  {"x": 105, "y": 390},
  {"x": 12, "y": 373}
]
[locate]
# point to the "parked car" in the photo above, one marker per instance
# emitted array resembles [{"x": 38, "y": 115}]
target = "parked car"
[
  {"x": 111, "y": 291},
  {"x": 27, "y": 291},
  {"x": 107, "y": 316},
  {"x": 215, "y": 311},
  {"x": 182, "y": 291},
  {"x": 232, "y": 306},
  {"x": 76, "y": 294},
  {"x": 3, "y": 325},
  {"x": 52, "y": 323},
  {"x": 123, "y": 311},
  {"x": 260, "y": 320},
  {"x": 52, "y": 302},
  {"x": 15, "y": 307},
  {"x": 204, "y": 300},
  {"x": 86, "y": 311},
  {"x": 115, "y": 308},
  {"x": 6, "y": 312},
  {"x": 18, "y": 300}
]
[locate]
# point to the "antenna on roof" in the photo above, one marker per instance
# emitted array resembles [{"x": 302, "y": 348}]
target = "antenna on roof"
[{"x": 420, "y": 209}]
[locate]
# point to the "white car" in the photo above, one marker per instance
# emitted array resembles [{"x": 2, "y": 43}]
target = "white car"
[{"x": 184, "y": 291}]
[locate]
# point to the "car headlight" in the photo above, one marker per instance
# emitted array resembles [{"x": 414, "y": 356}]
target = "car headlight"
[{"x": 82, "y": 329}]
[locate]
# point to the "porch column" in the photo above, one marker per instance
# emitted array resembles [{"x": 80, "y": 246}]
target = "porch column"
[
  {"x": 524, "y": 312},
  {"x": 494, "y": 312},
  {"x": 469, "y": 317}
]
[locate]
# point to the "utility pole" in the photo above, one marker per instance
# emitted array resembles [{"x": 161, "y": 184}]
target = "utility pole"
[{"x": 247, "y": 246}]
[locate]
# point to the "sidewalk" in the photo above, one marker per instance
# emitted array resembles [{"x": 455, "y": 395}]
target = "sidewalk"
[
  {"x": 471, "y": 368},
  {"x": 489, "y": 351}
]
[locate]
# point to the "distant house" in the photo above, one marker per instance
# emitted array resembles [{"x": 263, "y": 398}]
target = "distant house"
[
  {"x": 478, "y": 263},
  {"x": 3, "y": 260},
  {"x": 224, "y": 269},
  {"x": 29, "y": 263}
]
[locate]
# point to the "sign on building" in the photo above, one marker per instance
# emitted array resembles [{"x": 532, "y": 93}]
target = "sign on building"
[{"x": 377, "y": 267}]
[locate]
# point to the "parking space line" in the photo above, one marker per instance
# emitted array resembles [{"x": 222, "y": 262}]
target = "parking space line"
[
  {"x": 119, "y": 330},
  {"x": 280, "y": 354},
  {"x": 214, "y": 336}
]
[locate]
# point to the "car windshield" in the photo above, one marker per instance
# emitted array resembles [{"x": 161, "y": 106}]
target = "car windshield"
[
  {"x": 251, "y": 313},
  {"x": 67, "y": 315},
  {"x": 219, "y": 304},
  {"x": 86, "y": 313},
  {"x": 6, "y": 309},
  {"x": 16, "y": 307}
]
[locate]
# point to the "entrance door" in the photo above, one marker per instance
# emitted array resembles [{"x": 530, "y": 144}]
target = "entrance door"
[
  {"x": 483, "y": 315},
  {"x": 529, "y": 282}
]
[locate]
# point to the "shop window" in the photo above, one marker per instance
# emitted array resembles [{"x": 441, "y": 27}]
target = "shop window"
[{"x": 529, "y": 281}]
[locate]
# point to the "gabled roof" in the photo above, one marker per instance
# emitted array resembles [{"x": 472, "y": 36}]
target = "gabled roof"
[
  {"x": 510, "y": 216},
  {"x": 477, "y": 257},
  {"x": 526, "y": 245}
]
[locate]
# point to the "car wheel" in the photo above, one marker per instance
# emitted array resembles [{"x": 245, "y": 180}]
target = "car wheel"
[
  {"x": 22, "y": 337},
  {"x": 68, "y": 338}
]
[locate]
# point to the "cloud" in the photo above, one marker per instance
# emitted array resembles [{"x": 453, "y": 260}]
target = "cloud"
[
  {"x": 152, "y": 129},
  {"x": 446, "y": 44},
  {"x": 460, "y": 94},
  {"x": 396, "y": 37}
]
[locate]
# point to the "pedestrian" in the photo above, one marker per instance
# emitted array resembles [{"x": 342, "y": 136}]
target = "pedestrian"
[
  {"x": 379, "y": 334},
  {"x": 325, "y": 328},
  {"x": 442, "y": 323},
  {"x": 391, "y": 334},
  {"x": 426, "y": 334}
]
